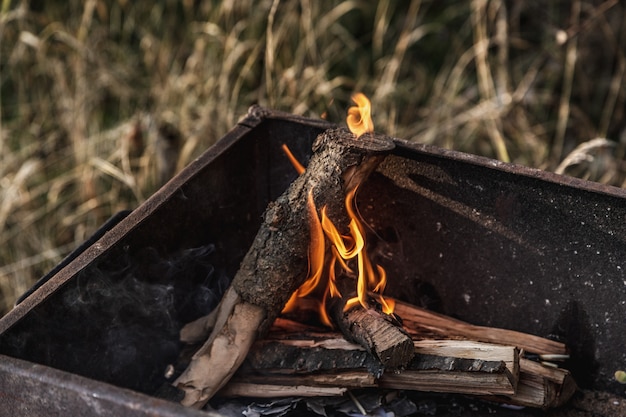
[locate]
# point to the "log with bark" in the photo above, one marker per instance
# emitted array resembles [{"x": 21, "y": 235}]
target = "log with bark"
[
  {"x": 293, "y": 355},
  {"x": 276, "y": 263},
  {"x": 452, "y": 367},
  {"x": 379, "y": 333},
  {"x": 315, "y": 360}
]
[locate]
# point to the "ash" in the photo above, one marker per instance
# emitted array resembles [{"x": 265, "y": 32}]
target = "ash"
[{"x": 371, "y": 402}]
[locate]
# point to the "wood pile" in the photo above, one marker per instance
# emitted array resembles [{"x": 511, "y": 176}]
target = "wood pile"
[{"x": 299, "y": 360}]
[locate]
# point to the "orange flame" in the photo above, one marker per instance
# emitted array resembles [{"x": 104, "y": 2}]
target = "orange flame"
[
  {"x": 316, "y": 278},
  {"x": 359, "y": 117},
  {"x": 370, "y": 279},
  {"x": 296, "y": 164},
  {"x": 343, "y": 251}
]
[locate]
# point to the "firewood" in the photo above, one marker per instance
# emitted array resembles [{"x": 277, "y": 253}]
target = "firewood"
[
  {"x": 259, "y": 390},
  {"x": 540, "y": 386},
  {"x": 439, "y": 366},
  {"x": 294, "y": 354},
  {"x": 420, "y": 322},
  {"x": 533, "y": 390},
  {"x": 234, "y": 333},
  {"x": 460, "y": 367},
  {"x": 373, "y": 330},
  {"x": 198, "y": 330},
  {"x": 276, "y": 263},
  {"x": 303, "y": 356}
]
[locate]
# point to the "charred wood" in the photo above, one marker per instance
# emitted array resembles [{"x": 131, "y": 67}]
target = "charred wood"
[
  {"x": 459, "y": 366},
  {"x": 439, "y": 366},
  {"x": 376, "y": 332},
  {"x": 294, "y": 354}
]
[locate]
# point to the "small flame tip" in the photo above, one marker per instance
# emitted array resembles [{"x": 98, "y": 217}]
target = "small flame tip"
[{"x": 359, "y": 118}]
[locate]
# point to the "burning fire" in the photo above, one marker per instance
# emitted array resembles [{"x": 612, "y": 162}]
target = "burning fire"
[
  {"x": 359, "y": 117},
  {"x": 296, "y": 164},
  {"x": 333, "y": 254}
]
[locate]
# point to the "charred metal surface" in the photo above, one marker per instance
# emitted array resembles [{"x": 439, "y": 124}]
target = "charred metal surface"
[
  {"x": 491, "y": 243},
  {"x": 506, "y": 246},
  {"x": 28, "y": 389}
]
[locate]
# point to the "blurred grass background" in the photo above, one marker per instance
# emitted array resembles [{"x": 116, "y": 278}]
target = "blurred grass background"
[{"x": 101, "y": 101}]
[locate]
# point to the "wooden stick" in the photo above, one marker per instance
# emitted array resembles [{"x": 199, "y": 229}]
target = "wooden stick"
[
  {"x": 388, "y": 342},
  {"x": 418, "y": 322},
  {"x": 477, "y": 368},
  {"x": 294, "y": 354},
  {"x": 231, "y": 343},
  {"x": 258, "y": 390},
  {"x": 541, "y": 386},
  {"x": 276, "y": 263},
  {"x": 473, "y": 350}
]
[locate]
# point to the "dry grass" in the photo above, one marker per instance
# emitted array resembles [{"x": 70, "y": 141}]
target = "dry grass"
[{"x": 102, "y": 100}]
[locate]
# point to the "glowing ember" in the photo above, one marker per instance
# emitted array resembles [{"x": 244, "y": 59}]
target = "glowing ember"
[
  {"x": 359, "y": 117},
  {"x": 333, "y": 254}
]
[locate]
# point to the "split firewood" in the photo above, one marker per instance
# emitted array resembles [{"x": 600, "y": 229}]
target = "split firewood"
[
  {"x": 438, "y": 366},
  {"x": 276, "y": 263},
  {"x": 260, "y": 390},
  {"x": 296, "y": 355},
  {"x": 540, "y": 386},
  {"x": 458, "y": 366},
  {"x": 420, "y": 322}
]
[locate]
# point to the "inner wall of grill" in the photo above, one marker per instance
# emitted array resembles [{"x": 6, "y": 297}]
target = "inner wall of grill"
[{"x": 480, "y": 244}]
